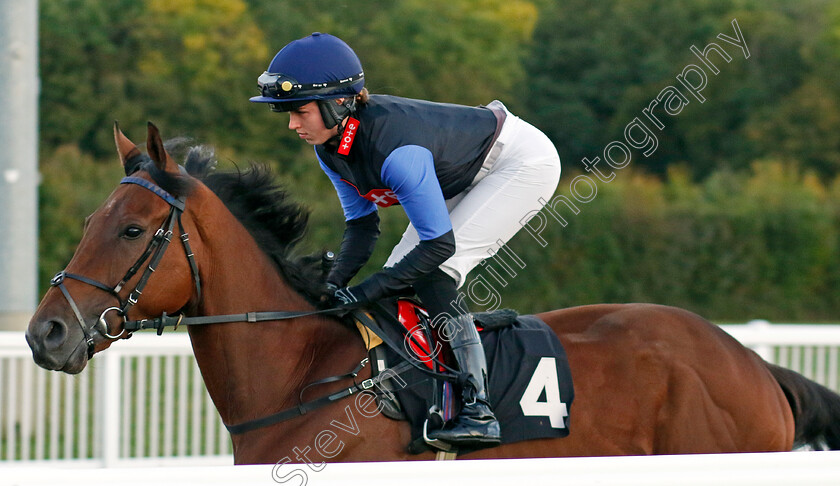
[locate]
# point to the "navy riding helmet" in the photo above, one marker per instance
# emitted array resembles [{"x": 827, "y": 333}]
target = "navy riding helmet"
[{"x": 318, "y": 67}]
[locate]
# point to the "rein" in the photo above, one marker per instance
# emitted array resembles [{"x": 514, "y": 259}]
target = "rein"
[{"x": 164, "y": 321}]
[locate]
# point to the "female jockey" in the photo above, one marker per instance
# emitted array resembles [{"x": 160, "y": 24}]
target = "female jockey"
[{"x": 465, "y": 176}]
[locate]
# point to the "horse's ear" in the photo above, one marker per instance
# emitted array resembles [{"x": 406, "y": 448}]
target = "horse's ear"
[
  {"x": 126, "y": 149},
  {"x": 154, "y": 145}
]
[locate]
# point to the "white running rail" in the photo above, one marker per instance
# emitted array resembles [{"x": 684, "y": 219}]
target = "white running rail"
[
  {"x": 143, "y": 402},
  {"x": 767, "y": 469}
]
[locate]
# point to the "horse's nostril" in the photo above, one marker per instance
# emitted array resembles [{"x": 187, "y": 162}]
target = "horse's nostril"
[{"x": 56, "y": 335}]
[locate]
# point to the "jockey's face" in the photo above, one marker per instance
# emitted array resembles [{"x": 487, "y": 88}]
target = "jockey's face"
[{"x": 309, "y": 124}]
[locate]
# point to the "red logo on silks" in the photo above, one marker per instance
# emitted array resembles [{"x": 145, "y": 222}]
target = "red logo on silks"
[
  {"x": 382, "y": 197},
  {"x": 348, "y": 136}
]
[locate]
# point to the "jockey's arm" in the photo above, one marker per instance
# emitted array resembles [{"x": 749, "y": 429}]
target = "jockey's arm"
[
  {"x": 357, "y": 246},
  {"x": 360, "y": 233},
  {"x": 409, "y": 172}
]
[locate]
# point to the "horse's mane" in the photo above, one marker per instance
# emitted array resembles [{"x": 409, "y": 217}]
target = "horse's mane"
[{"x": 262, "y": 205}]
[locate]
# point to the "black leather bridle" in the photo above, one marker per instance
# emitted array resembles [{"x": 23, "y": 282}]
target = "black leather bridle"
[{"x": 153, "y": 254}]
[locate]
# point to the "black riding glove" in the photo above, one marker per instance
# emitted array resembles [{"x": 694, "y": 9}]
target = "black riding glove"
[
  {"x": 350, "y": 297},
  {"x": 423, "y": 259}
]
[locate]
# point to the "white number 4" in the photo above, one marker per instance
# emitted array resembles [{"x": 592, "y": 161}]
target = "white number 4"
[{"x": 544, "y": 378}]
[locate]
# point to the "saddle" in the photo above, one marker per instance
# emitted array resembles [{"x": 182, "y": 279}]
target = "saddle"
[{"x": 530, "y": 383}]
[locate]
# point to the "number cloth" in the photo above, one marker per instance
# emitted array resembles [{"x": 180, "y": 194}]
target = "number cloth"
[{"x": 530, "y": 383}]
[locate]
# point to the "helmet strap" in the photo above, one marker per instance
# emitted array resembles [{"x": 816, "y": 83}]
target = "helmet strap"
[{"x": 334, "y": 113}]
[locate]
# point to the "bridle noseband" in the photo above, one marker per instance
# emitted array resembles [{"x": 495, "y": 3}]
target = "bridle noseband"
[{"x": 153, "y": 253}]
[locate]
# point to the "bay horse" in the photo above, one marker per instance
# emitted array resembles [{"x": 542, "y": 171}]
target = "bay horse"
[{"x": 649, "y": 379}]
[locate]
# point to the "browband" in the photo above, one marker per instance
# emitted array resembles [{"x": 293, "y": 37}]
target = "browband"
[{"x": 169, "y": 198}]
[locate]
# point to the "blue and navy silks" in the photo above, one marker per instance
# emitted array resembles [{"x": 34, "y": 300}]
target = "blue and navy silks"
[{"x": 413, "y": 153}]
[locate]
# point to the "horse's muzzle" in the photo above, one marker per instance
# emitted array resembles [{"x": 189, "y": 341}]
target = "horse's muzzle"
[{"x": 49, "y": 340}]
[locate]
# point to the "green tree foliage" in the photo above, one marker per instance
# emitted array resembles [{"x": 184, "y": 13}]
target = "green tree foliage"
[
  {"x": 87, "y": 51},
  {"x": 734, "y": 215},
  {"x": 201, "y": 67},
  {"x": 74, "y": 185},
  {"x": 464, "y": 51},
  {"x": 802, "y": 126},
  {"x": 595, "y": 65},
  {"x": 188, "y": 66}
]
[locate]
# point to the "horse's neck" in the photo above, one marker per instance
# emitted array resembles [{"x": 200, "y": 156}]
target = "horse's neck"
[{"x": 250, "y": 369}]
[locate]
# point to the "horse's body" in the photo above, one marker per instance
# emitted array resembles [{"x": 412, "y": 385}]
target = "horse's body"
[{"x": 648, "y": 379}]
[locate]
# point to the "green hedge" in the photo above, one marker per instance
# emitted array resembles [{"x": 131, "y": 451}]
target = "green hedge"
[{"x": 735, "y": 247}]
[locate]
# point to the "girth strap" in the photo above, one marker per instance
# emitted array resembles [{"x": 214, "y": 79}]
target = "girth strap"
[{"x": 303, "y": 408}]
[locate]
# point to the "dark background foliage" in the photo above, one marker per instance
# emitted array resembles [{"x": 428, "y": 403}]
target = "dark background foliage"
[{"x": 734, "y": 215}]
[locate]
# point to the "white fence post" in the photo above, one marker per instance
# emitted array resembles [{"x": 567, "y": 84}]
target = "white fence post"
[
  {"x": 108, "y": 413},
  {"x": 759, "y": 326}
]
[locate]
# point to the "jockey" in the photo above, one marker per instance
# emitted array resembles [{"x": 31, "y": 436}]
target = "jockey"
[{"x": 465, "y": 176}]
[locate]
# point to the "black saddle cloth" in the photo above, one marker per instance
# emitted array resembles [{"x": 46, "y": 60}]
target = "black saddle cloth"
[{"x": 530, "y": 383}]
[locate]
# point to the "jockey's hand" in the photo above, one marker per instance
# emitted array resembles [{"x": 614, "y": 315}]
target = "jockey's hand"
[
  {"x": 348, "y": 297},
  {"x": 325, "y": 300}
]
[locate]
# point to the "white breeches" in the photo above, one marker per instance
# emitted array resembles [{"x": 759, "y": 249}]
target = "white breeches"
[{"x": 521, "y": 168}]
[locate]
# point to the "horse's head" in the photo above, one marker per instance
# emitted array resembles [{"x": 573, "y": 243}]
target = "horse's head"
[{"x": 111, "y": 277}]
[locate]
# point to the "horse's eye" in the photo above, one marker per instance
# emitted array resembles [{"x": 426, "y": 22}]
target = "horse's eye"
[{"x": 132, "y": 232}]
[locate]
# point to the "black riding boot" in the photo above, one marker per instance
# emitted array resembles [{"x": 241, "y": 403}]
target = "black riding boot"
[{"x": 476, "y": 426}]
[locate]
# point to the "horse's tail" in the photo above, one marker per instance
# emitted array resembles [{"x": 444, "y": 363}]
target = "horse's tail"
[{"x": 816, "y": 409}]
